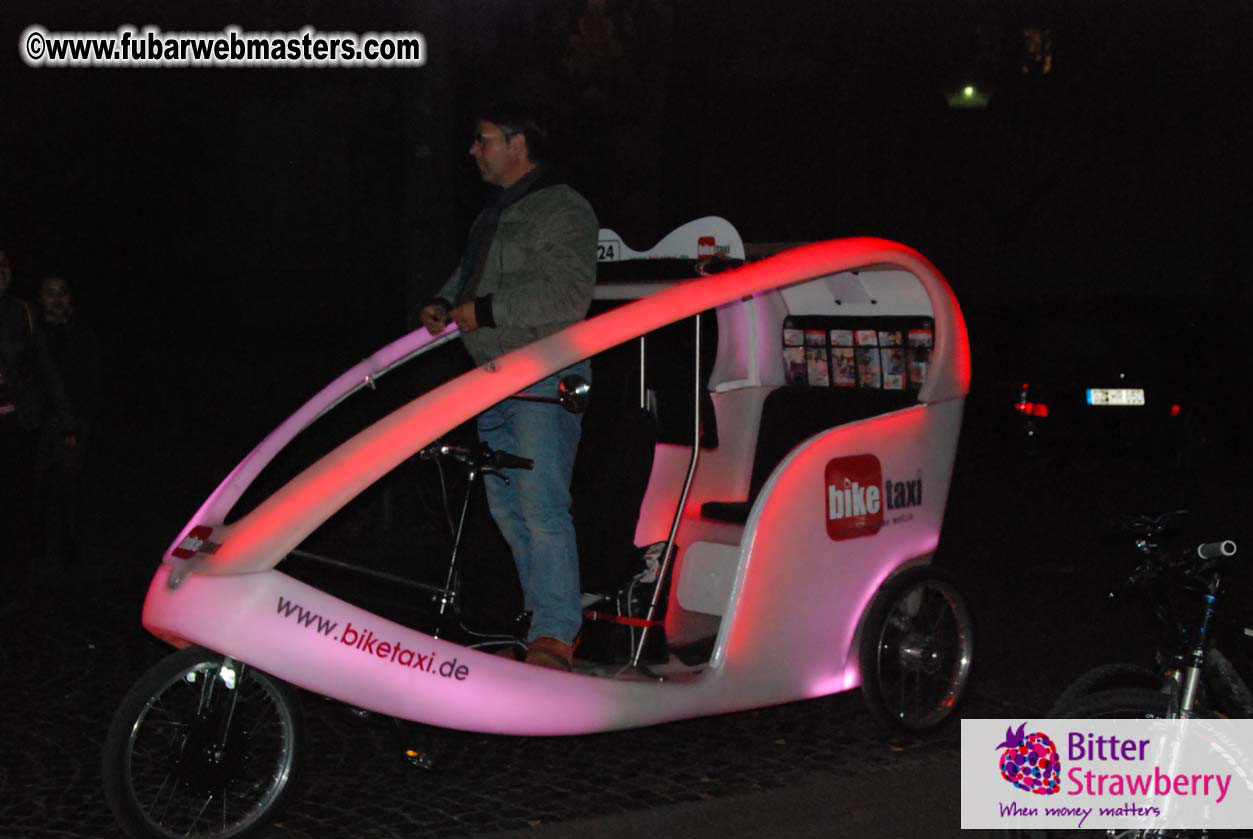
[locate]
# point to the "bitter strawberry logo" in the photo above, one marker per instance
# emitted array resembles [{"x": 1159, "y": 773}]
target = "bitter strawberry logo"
[
  {"x": 854, "y": 496},
  {"x": 1030, "y": 761}
]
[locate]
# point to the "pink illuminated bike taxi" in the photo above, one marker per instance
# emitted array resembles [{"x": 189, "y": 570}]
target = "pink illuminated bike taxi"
[{"x": 779, "y": 437}]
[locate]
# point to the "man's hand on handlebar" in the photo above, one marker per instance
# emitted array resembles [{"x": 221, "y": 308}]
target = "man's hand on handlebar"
[
  {"x": 434, "y": 317},
  {"x": 465, "y": 317}
]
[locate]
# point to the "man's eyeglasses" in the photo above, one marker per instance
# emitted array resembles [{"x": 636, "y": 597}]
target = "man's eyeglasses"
[{"x": 480, "y": 139}]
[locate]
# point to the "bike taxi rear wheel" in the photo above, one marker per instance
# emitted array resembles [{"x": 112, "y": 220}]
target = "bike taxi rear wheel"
[
  {"x": 202, "y": 746},
  {"x": 916, "y": 649}
]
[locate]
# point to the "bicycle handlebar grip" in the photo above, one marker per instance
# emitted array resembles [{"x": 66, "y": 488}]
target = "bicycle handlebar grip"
[
  {"x": 1212, "y": 550},
  {"x": 512, "y": 461}
]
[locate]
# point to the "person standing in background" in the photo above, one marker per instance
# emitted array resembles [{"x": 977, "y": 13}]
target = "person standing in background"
[
  {"x": 28, "y": 379},
  {"x": 62, "y": 453}
]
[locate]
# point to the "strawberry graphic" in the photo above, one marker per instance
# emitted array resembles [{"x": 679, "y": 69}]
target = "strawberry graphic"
[{"x": 1030, "y": 761}]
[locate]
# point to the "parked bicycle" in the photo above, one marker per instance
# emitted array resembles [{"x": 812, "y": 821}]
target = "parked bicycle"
[{"x": 1191, "y": 674}]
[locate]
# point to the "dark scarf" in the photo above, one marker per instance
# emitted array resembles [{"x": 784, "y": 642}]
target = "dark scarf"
[{"x": 479, "y": 242}]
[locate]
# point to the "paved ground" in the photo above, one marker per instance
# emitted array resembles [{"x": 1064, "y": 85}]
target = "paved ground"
[
  {"x": 828, "y": 805},
  {"x": 1024, "y": 544},
  {"x": 69, "y": 657}
]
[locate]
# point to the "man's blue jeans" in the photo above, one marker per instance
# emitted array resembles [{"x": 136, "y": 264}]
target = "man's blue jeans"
[{"x": 533, "y": 509}]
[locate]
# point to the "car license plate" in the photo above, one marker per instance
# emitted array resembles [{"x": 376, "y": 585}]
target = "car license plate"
[{"x": 1115, "y": 396}]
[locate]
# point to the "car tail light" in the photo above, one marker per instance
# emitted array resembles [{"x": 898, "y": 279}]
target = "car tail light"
[
  {"x": 1026, "y": 407},
  {"x": 1175, "y": 410}
]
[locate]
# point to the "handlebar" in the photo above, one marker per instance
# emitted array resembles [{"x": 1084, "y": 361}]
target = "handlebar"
[
  {"x": 1201, "y": 559},
  {"x": 483, "y": 457},
  {"x": 505, "y": 460},
  {"x": 1214, "y": 550}
]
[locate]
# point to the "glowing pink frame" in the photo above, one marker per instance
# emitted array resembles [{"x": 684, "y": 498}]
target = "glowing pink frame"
[{"x": 797, "y": 598}]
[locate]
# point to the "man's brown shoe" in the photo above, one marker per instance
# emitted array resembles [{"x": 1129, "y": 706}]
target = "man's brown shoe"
[{"x": 551, "y": 653}]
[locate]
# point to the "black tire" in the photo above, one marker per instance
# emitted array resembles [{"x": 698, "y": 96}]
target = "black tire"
[
  {"x": 1117, "y": 704},
  {"x": 916, "y": 648},
  {"x": 1103, "y": 678},
  {"x": 167, "y": 770}
]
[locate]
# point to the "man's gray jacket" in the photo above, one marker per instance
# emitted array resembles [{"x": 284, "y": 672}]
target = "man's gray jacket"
[{"x": 538, "y": 273}]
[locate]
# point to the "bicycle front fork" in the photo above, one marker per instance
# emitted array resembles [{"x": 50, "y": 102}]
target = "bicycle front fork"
[
  {"x": 452, "y": 585},
  {"x": 1191, "y": 686},
  {"x": 1196, "y": 664}
]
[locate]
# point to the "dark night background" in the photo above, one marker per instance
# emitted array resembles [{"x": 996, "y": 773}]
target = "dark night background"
[{"x": 238, "y": 237}]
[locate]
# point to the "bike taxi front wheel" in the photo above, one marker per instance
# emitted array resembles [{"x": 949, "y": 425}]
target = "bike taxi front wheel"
[
  {"x": 916, "y": 649},
  {"x": 202, "y": 746}
]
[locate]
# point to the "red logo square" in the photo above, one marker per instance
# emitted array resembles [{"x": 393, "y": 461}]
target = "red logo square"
[
  {"x": 853, "y": 496},
  {"x": 196, "y": 542}
]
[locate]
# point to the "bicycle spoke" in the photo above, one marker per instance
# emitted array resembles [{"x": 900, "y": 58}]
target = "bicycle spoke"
[
  {"x": 914, "y": 680},
  {"x": 204, "y": 692},
  {"x": 170, "y": 717},
  {"x": 163, "y": 718},
  {"x": 152, "y": 810},
  {"x": 203, "y": 807},
  {"x": 941, "y": 612},
  {"x": 900, "y": 698}
]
